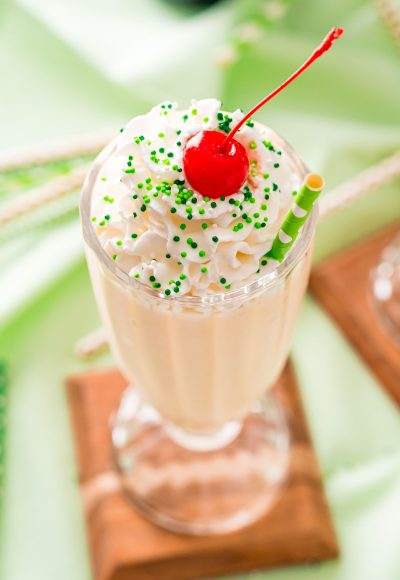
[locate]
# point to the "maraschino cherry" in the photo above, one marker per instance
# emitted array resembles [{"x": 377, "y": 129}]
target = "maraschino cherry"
[
  {"x": 217, "y": 165},
  {"x": 214, "y": 170}
]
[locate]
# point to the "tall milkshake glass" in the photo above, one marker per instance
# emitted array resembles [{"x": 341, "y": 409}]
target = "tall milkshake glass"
[{"x": 200, "y": 445}]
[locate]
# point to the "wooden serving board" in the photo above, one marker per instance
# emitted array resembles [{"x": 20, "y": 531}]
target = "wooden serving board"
[
  {"x": 342, "y": 284},
  {"x": 125, "y": 546}
]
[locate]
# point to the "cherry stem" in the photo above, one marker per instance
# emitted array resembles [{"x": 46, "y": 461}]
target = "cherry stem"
[{"x": 319, "y": 51}]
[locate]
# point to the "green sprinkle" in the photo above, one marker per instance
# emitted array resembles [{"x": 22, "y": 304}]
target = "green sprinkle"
[
  {"x": 167, "y": 292},
  {"x": 276, "y": 165},
  {"x": 119, "y": 243},
  {"x": 182, "y": 277},
  {"x": 202, "y": 253},
  {"x": 94, "y": 219},
  {"x": 264, "y": 262},
  {"x": 168, "y": 256},
  {"x": 253, "y": 145},
  {"x": 215, "y": 239},
  {"x": 222, "y": 280},
  {"x": 176, "y": 238},
  {"x": 204, "y": 269},
  {"x": 114, "y": 256},
  {"x": 183, "y": 254},
  {"x": 206, "y": 119},
  {"x": 194, "y": 112},
  {"x": 161, "y": 135},
  {"x": 136, "y": 276},
  {"x": 202, "y": 211},
  {"x": 263, "y": 206},
  {"x": 204, "y": 226},
  {"x": 183, "y": 226},
  {"x": 213, "y": 204},
  {"x": 268, "y": 145},
  {"x": 156, "y": 285},
  {"x": 152, "y": 278},
  {"x": 266, "y": 175}
]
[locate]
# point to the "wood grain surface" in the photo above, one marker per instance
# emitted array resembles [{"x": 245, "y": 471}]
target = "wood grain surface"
[
  {"x": 342, "y": 284},
  {"x": 125, "y": 546}
]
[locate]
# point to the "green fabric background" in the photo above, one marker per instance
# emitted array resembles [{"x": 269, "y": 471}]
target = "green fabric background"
[{"x": 85, "y": 65}]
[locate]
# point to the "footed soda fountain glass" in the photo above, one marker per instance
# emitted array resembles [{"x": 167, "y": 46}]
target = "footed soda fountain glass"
[
  {"x": 200, "y": 444},
  {"x": 385, "y": 286}
]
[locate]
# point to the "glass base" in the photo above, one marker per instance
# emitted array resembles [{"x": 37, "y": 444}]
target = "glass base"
[
  {"x": 386, "y": 289},
  {"x": 200, "y": 484}
]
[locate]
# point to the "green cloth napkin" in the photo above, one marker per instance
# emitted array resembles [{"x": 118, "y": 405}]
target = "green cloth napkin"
[
  {"x": 80, "y": 66},
  {"x": 3, "y": 420}
]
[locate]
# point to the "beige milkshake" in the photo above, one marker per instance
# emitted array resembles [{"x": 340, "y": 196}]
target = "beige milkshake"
[
  {"x": 198, "y": 226},
  {"x": 198, "y": 314},
  {"x": 199, "y": 319}
]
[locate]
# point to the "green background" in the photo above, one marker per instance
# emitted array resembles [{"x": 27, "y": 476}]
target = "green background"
[{"x": 81, "y": 66}]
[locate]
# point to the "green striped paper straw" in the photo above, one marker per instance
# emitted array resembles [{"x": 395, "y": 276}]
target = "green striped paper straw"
[{"x": 296, "y": 217}]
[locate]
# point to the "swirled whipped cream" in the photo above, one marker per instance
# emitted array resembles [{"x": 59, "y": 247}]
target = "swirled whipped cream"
[{"x": 166, "y": 235}]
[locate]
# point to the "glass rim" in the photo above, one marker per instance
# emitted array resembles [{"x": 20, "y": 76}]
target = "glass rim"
[{"x": 267, "y": 280}]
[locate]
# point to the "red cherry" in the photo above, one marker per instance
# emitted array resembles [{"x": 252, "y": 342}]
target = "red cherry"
[{"x": 212, "y": 170}]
